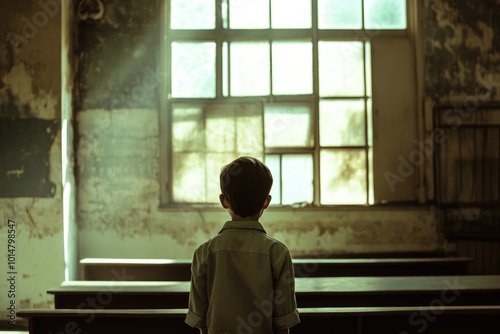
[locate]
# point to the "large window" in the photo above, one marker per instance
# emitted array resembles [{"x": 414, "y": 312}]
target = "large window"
[{"x": 286, "y": 81}]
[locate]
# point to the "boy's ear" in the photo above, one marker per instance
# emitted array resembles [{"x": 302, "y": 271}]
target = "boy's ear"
[
  {"x": 267, "y": 202},
  {"x": 223, "y": 201}
]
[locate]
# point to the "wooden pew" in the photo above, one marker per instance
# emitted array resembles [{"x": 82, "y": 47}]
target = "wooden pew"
[
  {"x": 179, "y": 270},
  {"x": 310, "y": 292},
  {"x": 139, "y": 269},
  {"x": 381, "y": 267},
  {"x": 106, "y": 321},
  {"x": 371, "y": 320}
]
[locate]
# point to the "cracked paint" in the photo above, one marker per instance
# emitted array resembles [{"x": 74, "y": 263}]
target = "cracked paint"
[
  {"x": 30, "y": 90},
  {"x": 19, "y": 88},
  {"x": 462, "y": 44}
]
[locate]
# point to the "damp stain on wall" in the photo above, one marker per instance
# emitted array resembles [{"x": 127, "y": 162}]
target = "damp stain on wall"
[
  {"x": 117, "y": 139},
  {"x": 462, "y": 48},
  {"x": 30, "y": 86},
  {"x": 22, "y": 94},
  {"x": 25, "y": 146},
  {"x": 117, "y": 169},
  {"x": 30, "y": 147},
  {"x": 116, "y": 50}
]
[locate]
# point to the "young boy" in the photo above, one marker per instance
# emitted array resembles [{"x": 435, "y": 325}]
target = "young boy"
[{"x": 242, "y": 280}]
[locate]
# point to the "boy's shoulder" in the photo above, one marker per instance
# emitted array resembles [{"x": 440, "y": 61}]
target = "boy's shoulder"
[
  {"x": 260, "y": 236},
  {"x": 277, "y": 243},
  {"x": 272, "y": 244}
]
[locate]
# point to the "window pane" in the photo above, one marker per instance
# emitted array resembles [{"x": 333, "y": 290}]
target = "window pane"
[
  {"x": 339, "y": 14},
  {"x": 368, "y": 60},
  {"x": 235, "y": 128},
  {"x": 273, "y": 162},
  {"x": 342, "y": 123},
  {"x": 225, "y": 69},
  {"x": 343, "y": 177},
  {"x": 193, "y": 69},
  {"x": 249, "y": 130},
  {"x": 248, "y": 14},
  {"x": 290, "y": 14},
  {"x": 385, "y": 14},
  {"x": 341, "y": 69},
  {"x": 297, "y": 178},
  {"x": 287, "y": 125},
  {"x": 192, "y": 14},
  {"x": 187, "y": 129},
  {"x": 197, "y": 176},
  {"x": 250, "y": 68},
  {"x": 204, "y": 138},
  {"x": 292, "y": 68},
  {"x": 189, "y": 177},
  {"x": 220, "y": 129},
  {"x": 369, "y": 115},
  {"x": 371, "y": 193},
  {"x": 225, "y": 13}
]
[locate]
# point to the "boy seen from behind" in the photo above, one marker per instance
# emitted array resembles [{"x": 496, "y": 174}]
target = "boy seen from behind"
[{"x": 242, "y": 280}]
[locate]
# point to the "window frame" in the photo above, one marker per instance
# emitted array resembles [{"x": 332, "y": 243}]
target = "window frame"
[{"x": 315, "y": 35}]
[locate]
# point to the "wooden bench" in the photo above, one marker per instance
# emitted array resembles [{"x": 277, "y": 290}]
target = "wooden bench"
[
  {"x": 381, "y": 267},
  {"x": 310, "y": 292},
  {"x": 374, "y": 320},
  {"x": 179, "y": 270}
]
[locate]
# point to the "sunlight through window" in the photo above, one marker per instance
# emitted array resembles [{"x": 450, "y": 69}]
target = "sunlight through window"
[{"x": 273, "y": 79}]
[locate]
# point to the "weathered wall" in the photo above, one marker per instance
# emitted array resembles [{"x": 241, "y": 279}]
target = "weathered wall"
[
  {"x": 462, "y": 68},
  {"x": 462, "y": 50},
  {"x": 118, "y": 153},
  {"x": 175, "y": 234},
  {"x": 30, "y": 150}
]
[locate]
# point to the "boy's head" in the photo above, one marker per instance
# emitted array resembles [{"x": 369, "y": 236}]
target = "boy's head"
[{"x": 245, "y": 184}]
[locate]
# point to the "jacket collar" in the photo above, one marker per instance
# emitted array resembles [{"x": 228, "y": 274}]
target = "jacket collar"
[{"x": 243, "y": 225}]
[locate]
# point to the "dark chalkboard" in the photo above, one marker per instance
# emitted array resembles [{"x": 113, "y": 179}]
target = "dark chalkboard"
[{"x": 25, "y": 146}]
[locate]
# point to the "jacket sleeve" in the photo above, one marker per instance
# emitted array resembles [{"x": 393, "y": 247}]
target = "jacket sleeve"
[
  {"x": 285, "y": 305},
  {"x": 198, "y": 297}
]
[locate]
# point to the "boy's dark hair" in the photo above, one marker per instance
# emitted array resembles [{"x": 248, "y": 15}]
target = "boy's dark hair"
[{"x": 245, "y": 183}]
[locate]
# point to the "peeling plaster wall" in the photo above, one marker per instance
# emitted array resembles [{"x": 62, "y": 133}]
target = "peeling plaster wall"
[
  {"x": 30, "y": 94},
  {"x": 118, "y": 162},
  {"x": 462, "y": 62},
  {"x": 175, "y": 234},
  {"x": 462, "y": 50}
]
